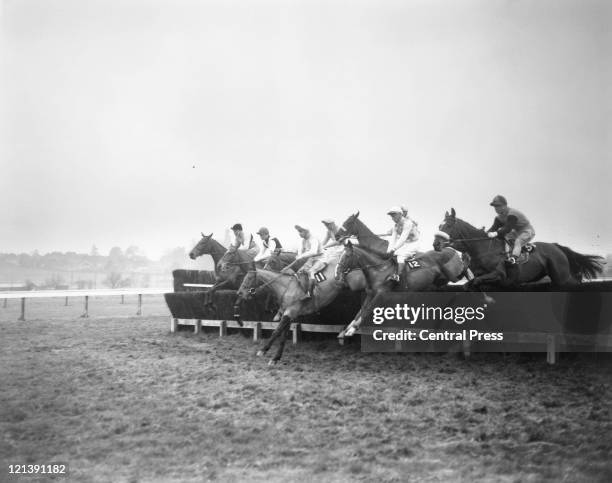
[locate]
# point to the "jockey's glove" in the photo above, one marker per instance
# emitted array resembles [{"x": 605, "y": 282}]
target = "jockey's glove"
[{"x": 492, "y": 234}]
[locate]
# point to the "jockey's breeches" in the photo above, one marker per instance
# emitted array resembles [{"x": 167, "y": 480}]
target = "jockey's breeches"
[
  {"x": 406, "y": 251},
  {"x": 312, "y": 266},
  {"x": 518, "y": 239}
]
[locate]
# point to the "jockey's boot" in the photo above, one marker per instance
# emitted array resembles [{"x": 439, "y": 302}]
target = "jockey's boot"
[
  {"x": 399, "y": 269},
  {"x": 311, "y": 286},
  {"x": 395, "y": 278},
  {"x": 305, "y": 285}
]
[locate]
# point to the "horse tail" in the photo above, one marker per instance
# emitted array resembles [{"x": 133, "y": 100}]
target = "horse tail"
[{"x": 582, "y": 266}]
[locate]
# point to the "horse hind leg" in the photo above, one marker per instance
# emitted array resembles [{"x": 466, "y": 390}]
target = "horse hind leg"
[{"x": 560, "y": 276}]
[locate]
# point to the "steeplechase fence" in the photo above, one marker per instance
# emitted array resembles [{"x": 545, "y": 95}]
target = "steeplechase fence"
[{"x": 188, "y": 310}]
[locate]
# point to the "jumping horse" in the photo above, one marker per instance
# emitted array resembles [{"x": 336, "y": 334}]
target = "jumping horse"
[
  {"x": 289, "y": 295},
  {"x": 564, "y": 266},
  {"x": 427, "y": 271}
]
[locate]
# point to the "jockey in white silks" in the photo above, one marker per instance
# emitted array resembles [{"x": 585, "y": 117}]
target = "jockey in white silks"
[
  {"x": 309, "y": 250},
  {"x": 331, "y": 249},
  {"x": 242, "y": 242},
  {"x": 404, "y": 239}
]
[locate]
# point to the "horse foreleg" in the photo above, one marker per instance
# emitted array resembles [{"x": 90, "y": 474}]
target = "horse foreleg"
[
  {"x": 491, "y": 277},
  {"x": 281, "y": 345},
  {"x": 273, "y": 337},
  {"x": 210, "y": 294},
  {"x": 342, "y": 334},
  {"x": 356, "y": 323}
]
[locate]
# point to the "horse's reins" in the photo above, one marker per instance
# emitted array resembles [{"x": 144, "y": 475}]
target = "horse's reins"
[
  {"x": 470, "y": 239},
  {"x": 269, "y": 282},
  {"x": 482, "y": 238}
]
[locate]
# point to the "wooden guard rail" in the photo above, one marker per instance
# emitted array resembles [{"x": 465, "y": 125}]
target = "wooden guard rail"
[{"x": 80, "y": 293}]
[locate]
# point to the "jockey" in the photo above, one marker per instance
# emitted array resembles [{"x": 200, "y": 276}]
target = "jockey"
[
  {"x": 309, "y": 251},
  {"x": 404, "y": 237},
  {"x": 329, "y": 240},
  {"x": 241, "y": 242},
  {"x": 511, "y": 225},
  {"x": 330, "y": 248},
  {"x": 442, "y": 241},
  {"x": 269, "y": 246}
]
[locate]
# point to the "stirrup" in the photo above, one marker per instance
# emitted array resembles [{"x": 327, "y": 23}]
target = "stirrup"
[
  {"x": 395, "y": 277},
  {"x": 512, "y": 260}
]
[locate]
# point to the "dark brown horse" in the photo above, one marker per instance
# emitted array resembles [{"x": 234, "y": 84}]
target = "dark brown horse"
[
  {"x": 564, "y": 266},
  {"x": 428, "y": 271},
  {"x": 230, "y": 267},
  {"x": 431, "y": 275},
  {"x": 353, "y": 226}
]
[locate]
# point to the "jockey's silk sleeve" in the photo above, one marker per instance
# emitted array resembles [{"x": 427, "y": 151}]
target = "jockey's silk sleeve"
[
  {"x": 496, "y": 225},
  {"x": 509, "y": 226}
]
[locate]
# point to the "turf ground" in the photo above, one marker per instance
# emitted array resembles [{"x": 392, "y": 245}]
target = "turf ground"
[{"x": 122, "y": 399}]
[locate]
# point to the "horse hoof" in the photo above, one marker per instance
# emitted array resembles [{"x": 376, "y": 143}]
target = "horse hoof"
[
  {"x": 349, "y": 332},
  {"x": 341, "y": 335},
  {"x": 272, "y": 362},
  {"x": 490, "y": 300},
  {"x": 260, "y": 353}
]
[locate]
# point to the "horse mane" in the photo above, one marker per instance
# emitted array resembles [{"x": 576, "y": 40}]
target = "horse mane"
[
  {"x": 216, "y": 244},
  {"x": 473, "y": 231},
  {"x": 369, "y": 237},
  {"x": 371, "y": 251}
]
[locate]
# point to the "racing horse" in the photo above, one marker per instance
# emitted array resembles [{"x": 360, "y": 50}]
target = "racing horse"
[
  {"x": 448, "y": 266},
  {"x": 289, "y": 295},
  {"x": 230, "y": 267},
  {"x": 353, "y": 226},
  {"x": 427, "y": 271},
  {"x": 564, "y": 266}
]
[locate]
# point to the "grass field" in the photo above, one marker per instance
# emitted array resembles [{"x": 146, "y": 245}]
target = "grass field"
[{"x": 122, "y": 399}]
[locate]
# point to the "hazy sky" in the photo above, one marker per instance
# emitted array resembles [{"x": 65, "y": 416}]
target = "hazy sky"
[{"x": 141, "y": 122}]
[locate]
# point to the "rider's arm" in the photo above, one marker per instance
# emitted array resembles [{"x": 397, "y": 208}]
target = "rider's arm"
[
  {"x": 329, "y": 241},
  {"x": 313, "y": 250},
  {"x": 326, "y": 238},
  {"x": 401, "y": 239},
  {"x": 263, "y": 253},
  {"x": 495, "y": 226},
  {"x": 509, "y": 226}
]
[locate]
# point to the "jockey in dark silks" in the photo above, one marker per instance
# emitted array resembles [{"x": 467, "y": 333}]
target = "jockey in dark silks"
[
  {"x": 269, "y": 246},
  {"x": 510, "y": 225}
]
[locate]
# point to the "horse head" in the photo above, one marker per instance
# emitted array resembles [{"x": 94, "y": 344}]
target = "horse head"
[
  {"x": 348, "y": 228},
  {"x": 449, "y": 224},
  {"x": 202, "y": 247},
  {"x": 348, "y": 262}
]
